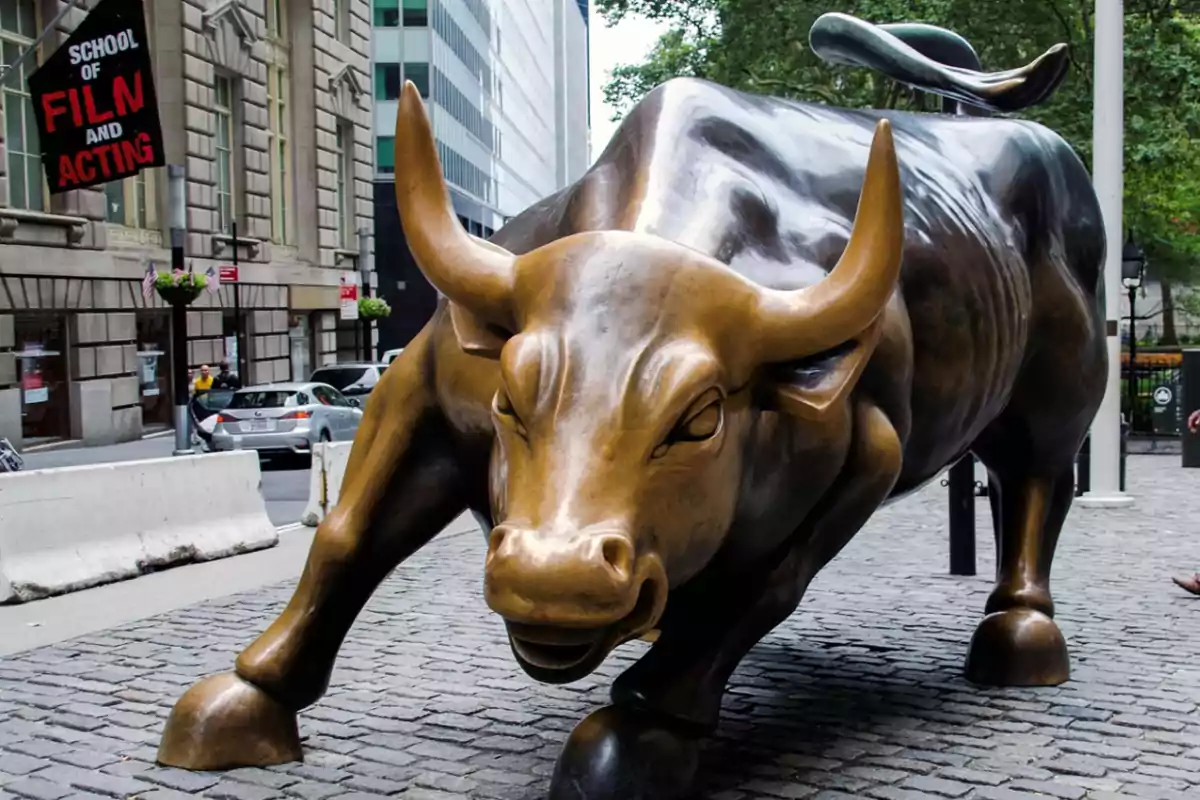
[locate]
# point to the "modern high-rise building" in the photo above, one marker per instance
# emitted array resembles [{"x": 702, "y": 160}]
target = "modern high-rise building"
[
  {"x": 506, "y": 88},
  {"x": 267, "y": 106}
]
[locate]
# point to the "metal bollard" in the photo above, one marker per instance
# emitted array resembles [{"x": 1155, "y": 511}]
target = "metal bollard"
[
  {"x": 1083, "y": 474},
  {"x": 961, "y": 483},
  {"x": 1125, "y": 426}
]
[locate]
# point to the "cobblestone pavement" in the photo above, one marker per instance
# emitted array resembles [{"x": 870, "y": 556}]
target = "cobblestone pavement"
[{"x": 858, "y": 695}]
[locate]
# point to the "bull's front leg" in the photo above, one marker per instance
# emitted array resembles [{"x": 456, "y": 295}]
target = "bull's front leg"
[
  {"x": 402, "y": 486},
  {"x": 644, "y": 746}
]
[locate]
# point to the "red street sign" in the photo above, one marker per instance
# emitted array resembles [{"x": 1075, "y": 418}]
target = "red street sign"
[
  {"x": 228, "y": 274},
  {"x": 348, "y": 291}
]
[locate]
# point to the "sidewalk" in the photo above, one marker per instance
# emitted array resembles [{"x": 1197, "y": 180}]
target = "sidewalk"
[{"x": 858, "y": 695}]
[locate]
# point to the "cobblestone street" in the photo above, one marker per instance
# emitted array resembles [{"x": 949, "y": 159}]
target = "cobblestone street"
[{"x": 858, "y": 695}]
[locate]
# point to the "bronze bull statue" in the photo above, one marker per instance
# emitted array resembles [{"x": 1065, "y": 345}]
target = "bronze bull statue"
[{"x": 676, "y": 389}]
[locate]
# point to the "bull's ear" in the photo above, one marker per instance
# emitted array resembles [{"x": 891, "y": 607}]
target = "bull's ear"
[
  {"x": 475, "y": 336},
  {"x": 813, "y": 387}
]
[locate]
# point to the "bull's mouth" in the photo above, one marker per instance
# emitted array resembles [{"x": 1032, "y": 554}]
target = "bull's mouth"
[
  {"x": 555, "y": 654},
  {"x": 548, "y": 648}
]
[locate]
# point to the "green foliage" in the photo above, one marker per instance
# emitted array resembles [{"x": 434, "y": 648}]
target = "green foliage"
[
  {"x": 180, "y": 280},
  {"x": 373, "y": 308},
  {"x": 762, "y": 46}
]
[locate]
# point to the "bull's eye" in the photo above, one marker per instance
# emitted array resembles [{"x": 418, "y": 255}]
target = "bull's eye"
[
  {"x": 702, "y": 425},
  {"x": 701, "y": 422},
  {"x": 503, "y": 407}
]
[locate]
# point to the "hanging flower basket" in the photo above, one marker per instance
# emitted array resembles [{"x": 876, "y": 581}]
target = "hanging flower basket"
[
  {"x": 373, "y": 308},
  {"x": 179, "y": 288}
]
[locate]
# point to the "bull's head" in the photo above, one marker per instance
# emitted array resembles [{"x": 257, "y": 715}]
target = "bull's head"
[{"x": 628, "y": 369}]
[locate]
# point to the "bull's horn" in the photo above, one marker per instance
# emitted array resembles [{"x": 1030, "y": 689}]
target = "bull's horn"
[
  {"x": 478, "y": 277},
  {"x": 799, "y": 323}
]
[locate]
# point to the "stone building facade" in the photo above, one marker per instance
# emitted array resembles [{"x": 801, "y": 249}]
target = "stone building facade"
[{"x": 268, "y": 105}]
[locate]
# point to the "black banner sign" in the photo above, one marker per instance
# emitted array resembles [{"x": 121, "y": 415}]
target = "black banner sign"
[{"x": 94, "y": 99}]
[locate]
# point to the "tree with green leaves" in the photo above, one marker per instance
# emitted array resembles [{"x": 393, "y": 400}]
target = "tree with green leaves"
[{"x": 762, "y": 46}]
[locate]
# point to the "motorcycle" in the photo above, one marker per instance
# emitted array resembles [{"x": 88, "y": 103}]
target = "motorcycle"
[{"x": 10, "y": 459}]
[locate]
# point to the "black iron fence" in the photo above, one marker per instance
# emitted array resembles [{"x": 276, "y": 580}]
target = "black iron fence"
[{"x": 1157, "y": 409}]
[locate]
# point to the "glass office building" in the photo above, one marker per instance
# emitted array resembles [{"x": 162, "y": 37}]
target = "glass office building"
[{"x": 506, "y": 86}]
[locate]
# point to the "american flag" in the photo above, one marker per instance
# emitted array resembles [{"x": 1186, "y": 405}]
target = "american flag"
[
  {"x": 148, "y": 281},
  {"x": 214, "y": 280}
]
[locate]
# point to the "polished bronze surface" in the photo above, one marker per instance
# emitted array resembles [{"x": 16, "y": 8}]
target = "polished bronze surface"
[
  {"x": 223, "y": 722},
  {"x": 675, "y": 390}
]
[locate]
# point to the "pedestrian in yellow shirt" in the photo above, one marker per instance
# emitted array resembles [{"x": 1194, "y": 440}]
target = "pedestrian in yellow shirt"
[{"x": 204, "y": 380}]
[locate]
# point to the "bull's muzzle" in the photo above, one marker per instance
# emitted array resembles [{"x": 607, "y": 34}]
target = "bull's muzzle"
[{"x": 569, "y": 598}]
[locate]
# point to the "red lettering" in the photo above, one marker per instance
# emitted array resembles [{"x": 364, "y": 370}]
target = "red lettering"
[
  {"x": 94, "y": 117},
  {"x": 83, "y": 166},
  {"x": 66, "y": 172},
  {"x": 128, "y": 102},
  {"x": 101, "y": 153},
  {"x": 76, "y": 111},
  {"x": 50, "y": 110},
  {"x": 137, "y": 151},
  {"x": 143, "y": 141}
]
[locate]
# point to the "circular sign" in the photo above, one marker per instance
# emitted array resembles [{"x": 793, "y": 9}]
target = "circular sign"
[{"x": 1162, "y": 396}]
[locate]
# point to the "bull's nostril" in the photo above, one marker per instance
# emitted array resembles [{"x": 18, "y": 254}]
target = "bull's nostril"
[
  {"x": 618, "y": 554},
  {"x": 495, "y": 541}
]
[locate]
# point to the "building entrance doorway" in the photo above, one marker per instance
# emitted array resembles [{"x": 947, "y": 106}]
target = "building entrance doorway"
[
  {"x": 41, "y": 355},
  {"x": 154, "y": 369}
]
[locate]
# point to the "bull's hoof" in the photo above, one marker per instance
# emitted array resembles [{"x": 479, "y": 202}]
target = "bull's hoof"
[
  {"x": 1018, "y": 647},
  {"x": 224, "y": 721},
  {"x": 618, "y": 753}
]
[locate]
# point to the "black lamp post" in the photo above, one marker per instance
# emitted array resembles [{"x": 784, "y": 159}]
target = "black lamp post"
[{"x": 1133, "y": 265}]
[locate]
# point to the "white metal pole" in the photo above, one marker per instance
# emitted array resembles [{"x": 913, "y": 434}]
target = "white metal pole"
[{"x": 1108, "y": 153}]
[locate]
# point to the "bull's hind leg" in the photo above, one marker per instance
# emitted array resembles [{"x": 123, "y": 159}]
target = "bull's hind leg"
[
  {"x": 401, "y": 487},
  {"x": 1018, "y": 643},
  {"x": 1030, "y": 453},
  {"x": 644, "y": 746}
]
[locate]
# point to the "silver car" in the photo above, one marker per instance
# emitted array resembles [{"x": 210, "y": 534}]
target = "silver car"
[{"x": 286, "y": 419}]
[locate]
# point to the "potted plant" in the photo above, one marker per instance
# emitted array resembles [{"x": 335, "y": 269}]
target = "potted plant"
[
  {"x": 179, "y": 287},
  {"x": 373, "y": 308}
]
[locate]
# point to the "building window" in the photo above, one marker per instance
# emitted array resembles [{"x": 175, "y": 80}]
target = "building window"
[
  {"x": 344, "y": 152},
  {"x": 223, "y": 110},
  {"x": 418, "y": 73},
  {"x": 386, "y": 13},
  {"x": 279, "y": 127},
  {"x": 449, "y": 32},
  {"x": 341, "y": 20},
  {"x": 447, "y": 95},
  {"x": 277, "y": 19},
  {"x": 26, "y": 181},
  {"x": 130, "y": 202},
  {"x": 416, "y": 13},
  {"x": 385, "y": 155},
  {"x": 387, "y": 81},
  {"x": 462, "y": 173}
]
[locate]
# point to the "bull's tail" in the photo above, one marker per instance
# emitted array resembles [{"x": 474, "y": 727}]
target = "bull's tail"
[{"x": 935, "y": 60}]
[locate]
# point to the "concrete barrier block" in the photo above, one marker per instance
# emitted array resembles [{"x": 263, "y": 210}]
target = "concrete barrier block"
[
  {"x": 71, "y": 528},
  {"x": 10, "y": 416},
  {"x": 325, "y": 484}
]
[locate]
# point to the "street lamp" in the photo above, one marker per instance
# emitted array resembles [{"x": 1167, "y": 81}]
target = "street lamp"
[{"x": 1133, "y": 265}]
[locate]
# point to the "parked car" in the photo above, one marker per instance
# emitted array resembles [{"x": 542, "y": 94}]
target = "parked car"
[
  {"x": 390, "y": 355},
  {"x": 352, "y": 380},
  {"x": 205, "y": 409},
  {"x": 286, "y": 419}
]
